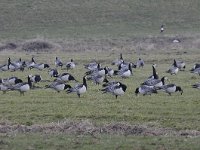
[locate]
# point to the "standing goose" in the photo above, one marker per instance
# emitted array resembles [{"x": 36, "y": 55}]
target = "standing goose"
[
  {"x": 155, "y": 74},
  {"x": 11, "y": 81},
  {"x": 31, "y": 63},
  {"x": 92, "y": 65},
  {"x": 70, "y": 65},
  {"x": 124, "y": 73},
  {"x": 35, "y": 79},
  {"x": 118, "y": 61},
  {"x": 14, "y": 66},
  {"x": 58, "y": 62},
  {"x": 110, "y": 71},
  {"x": 195, "y": 67},
  {"x": 140, "y": 63},
  {"x": 173, "y": 69},
  {"x": 171, "y": 88},
  {"x": 79, "y": 88},
  {"x": 196, "y": 85},
  {"x": 162, "y": 28},
  {"x": 22, "y": 87},
  {"x": 181, "y": 65},
  {"x": 196, "y": 71},
  {"x": 145, "y": 90},
  {"x": 97, "y": 79}
]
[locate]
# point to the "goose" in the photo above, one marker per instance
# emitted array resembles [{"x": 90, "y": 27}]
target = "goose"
[
  {"x": 35, "y": 78},
  {"x": 92, "y": 65},
  {"x": 173, "y": 69},
  {"x": 196, "y": 71},
  {"x": 110, "y": 71},
  {"x": 118, "y": 89},
  {"x": 79, "y": 88},
  {"x": 40, "y": 66},
  {"x": 195, "y": 67},
  {"x": 58, "y": 86},
  {"x": 66, "y": 77},
  {"x": 155, "y": 82},
  {"x": 124, "y": 73},
  {"x": 180, "y": 64},
  {"x": 4, "y": 67},
  {"x": 11, "y": 81},
  {"x": 53, "y": 72},
  {"x": 108, "y": 83},
  {"x": 118, "y": 61},
  {"x": 155, "y": 74},
  {"x": 31, "y": 63},
  {"x": 171, "y": 88},
  {"x": 196, "y": 85},
  {"x": 145, "y": 90},
  {"x": 140, "y": 63},
  {"x": 162, "y": 28},
  {"x": 97, "y": 79},
  {"x": 97, "y": 71},
  {"x": 58, "y": 62},
  {"x": 70, "y": 65},
  {"x": 13, "y": 66},
  {"x": 22, "y": 87},
  {"x": 4, "y": 88}
]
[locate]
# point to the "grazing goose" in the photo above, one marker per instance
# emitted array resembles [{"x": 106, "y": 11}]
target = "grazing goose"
[
  {"x": 22, "y": 87},
  {"x": 195, "y": 67},
  {"x": 58, "y": 62},
  {"x": 70, "y": 65},
  {"x": 155, "y": 82},
  {"x": 118, "y": 61},
  {"x": 124, "y": 73},
  {"x": 116, "y": 89},
  {"x": 58, "y": 86},
  {"x": 53, "y": 72},
  {"x": 196, "y": 85},
  {"x": 11, "y": 81},
  {"x": 35, "y": 78},
  {"x": 109, "y": 86},
  {"x": 97, "y": 79},
  {"x": 140, "y": 63},
  {"x": 173, "y": 69},
  {"x": 171, "y": 88},
  {"x": 162, "y": 28},
  {"x": 92, "y": 65},
  {"x": 40, "y": 66},
  {"x": 97, "y": 71},
  {"x": 196, "y": 71},
  {"x": 79, "y": 88},
  {"x": 145, "y": 90},
  {"x": 66, "y": 77}
]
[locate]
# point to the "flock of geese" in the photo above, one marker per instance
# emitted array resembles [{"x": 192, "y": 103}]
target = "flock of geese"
[{"x": 96, "y": 73}]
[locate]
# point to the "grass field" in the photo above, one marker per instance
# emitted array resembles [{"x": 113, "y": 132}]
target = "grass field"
[{"x": 101, "y": 30}]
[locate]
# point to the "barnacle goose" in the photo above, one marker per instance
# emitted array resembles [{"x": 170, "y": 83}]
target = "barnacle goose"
[
  {"x": 70, "y": 65},
  {"x": 79, "y": 88},
  {"x": 58, "y": 86},
  {"x": 58, "y": 62},
  {"x": 171, "y": 88},
  {"x": 145, "y": 90}
]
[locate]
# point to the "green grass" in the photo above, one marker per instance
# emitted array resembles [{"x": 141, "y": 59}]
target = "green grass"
[
  {"x": 62, "y": 141},
  {"x": 93, "y": 18}
]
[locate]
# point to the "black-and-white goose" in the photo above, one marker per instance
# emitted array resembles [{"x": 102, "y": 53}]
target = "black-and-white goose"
[
  {"x": 79, "y": 88},
  {"x": 58, "y": 86},
  {"x": 124, "y": 73},
  {"x": 145, "y": 90},
  {"x": 11, "y": 81},
  {"x": 118, "y": 61},
  {"x": 155, "y": 82},
  {"x": 173, "y": 69},
  {"x": 197, "y": 65},
  {"x": 66, "y": 77},
  {"x": 181, "y": 65},
  {"x": 40, "y": 66},
  {"x": 171, "y": 88},
  {"x": 155, "y": 73},
  {"x": 4, "y": 88},
  {"x": 22, "y": 87},
  {"x": 31, "y": 63},
  {"x": 110, "y": 71},
  {"x": 97, "y": 79},
  {"x": 196, "y": 71},
  {"x": 13, "y": 66},
  {"x": 53, "y": 72},
  {"x": 92, "y": 65},
  {"x": 97, "y": 71},
  {"x": 140, "y": 63},
  {"x": 58, "y": 62},
  {"x": 4, "y": 67},
  {"x": 196, "y": 85},
  {"x": 70, "y": 65}
]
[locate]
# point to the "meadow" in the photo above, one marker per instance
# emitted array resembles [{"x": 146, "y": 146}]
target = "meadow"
[{"x": 87, "y": 30}]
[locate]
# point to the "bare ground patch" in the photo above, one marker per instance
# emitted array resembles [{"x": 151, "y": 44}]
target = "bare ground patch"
[{"x": 87, "y": 127}]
